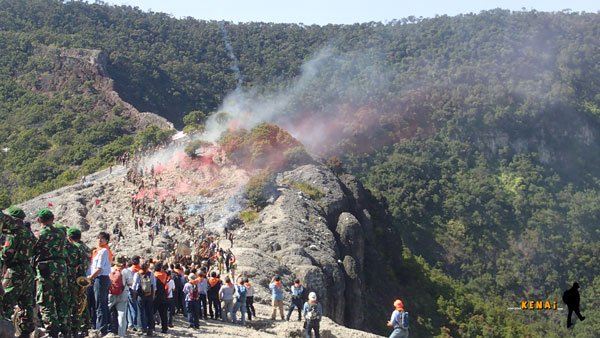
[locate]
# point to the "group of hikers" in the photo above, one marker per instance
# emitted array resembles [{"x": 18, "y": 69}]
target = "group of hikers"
[{"x": 56, "y": 282}]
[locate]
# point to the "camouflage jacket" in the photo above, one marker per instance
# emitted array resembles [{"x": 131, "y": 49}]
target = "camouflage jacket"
[
  {"x": 50, "y": 245},
  {"x": 18, "y": 248},
  {"x": 86, "y": 255},
  {"x": 75, "y": 261}
]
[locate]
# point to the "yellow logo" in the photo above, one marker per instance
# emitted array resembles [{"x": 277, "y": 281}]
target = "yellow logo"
[{"x": 539, "y": 305}]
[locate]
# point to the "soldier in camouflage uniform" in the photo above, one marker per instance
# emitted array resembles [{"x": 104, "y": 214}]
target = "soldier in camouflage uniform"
[
  {"x": 78, "y": 264},
  {"x": 87, "y": 254},
  {"x": 17, "y": 272},
  {"x": 50, "y": 262}
]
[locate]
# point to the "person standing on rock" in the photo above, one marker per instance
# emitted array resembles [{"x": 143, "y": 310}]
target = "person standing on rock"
[
  {"x": 226, "y": 296},
  {"x": 133, "y": 319},
  {"x": 192, "y": 304},
  {"x": 118, "y": 294},
  {"x": 77, "y": 263},
  {"x": 240, "y": 302},
  {"x": 144, "y": 283},
  {"x": 101, "y": 267},
  {"x": 18, "y": 278},
  {"x": 171, "y": 288},
  {"x": 161, "y": 301},
  {"x": 50, "y": 262},
  {"x": 276, "y": 297},
  {"x": 297, "y": 291},
  {"x": 214, "y": 286},
  {"x": 202, "y": 290},
  {"x": 249, "y": 299},
  {"x": 313, "y": 311},
  {"x": 86, "y": 255},
  {"x": 399, "y": 321}
]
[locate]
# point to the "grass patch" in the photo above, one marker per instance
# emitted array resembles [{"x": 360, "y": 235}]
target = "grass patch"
[
  {"x": 308, "y": 190},
  {"x": 248, "y": 215}
]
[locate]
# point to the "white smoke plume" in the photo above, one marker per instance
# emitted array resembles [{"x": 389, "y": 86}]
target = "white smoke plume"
[
  {"x": 235, "y": 66},
  {"x": 329, "y": 81}
]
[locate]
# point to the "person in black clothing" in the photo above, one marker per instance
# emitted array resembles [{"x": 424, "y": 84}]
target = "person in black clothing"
[
  {"x": 214, "y": 285},
  {"x": 161, "y": 302},
  {"x": 572, "y": 299}
]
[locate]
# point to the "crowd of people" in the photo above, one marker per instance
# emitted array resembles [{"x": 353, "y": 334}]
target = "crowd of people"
[
  {"x": 57, "y": 282},
  {"x": 53, "y": 281}
]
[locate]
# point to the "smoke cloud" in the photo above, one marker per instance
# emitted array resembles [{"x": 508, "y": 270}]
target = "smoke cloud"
[{"x": 327, "y": 102}]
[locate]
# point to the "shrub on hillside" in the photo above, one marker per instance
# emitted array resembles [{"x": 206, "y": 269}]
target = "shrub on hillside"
[
  {"x": 265, "y": 146},
  {"x": 193, "y": 146},
  {"x": 259, "y": 188}
]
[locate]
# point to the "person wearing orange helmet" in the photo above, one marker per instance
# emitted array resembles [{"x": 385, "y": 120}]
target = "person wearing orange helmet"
[{"x": 399, "y": 321}]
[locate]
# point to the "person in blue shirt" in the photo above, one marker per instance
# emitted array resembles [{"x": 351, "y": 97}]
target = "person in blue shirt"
[
  {"x": 144, "y": 282},
  {"x": 398, "y": 321},
  {"x": 276, "y": 296},
  {"x": 297, "y": 291},
  {"x": 313, "y": 311}
]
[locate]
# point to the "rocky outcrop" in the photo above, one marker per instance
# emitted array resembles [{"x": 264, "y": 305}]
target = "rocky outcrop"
[
  {"x": 322, "y": 228},
  {"x": 323, "y": 241},
  {"x": 83, "y": 71}
]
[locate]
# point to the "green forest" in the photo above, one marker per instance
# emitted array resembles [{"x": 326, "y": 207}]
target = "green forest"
[{"x": 479, "y": 132}]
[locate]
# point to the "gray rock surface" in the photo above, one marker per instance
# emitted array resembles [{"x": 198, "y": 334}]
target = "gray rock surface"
[{"x": 322, "y": 241}]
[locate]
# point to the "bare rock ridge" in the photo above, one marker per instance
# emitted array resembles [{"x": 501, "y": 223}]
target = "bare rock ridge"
[
  {"x": 332, "y": 243},
  {"x": 83, "y": 71},
  {"x": 338, "y": 243}
]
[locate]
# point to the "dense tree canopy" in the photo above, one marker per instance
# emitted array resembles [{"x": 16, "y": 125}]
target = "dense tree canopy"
[{"x": 480, "y": 132}]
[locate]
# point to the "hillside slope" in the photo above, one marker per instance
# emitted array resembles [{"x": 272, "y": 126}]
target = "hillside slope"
[{"x": 332, "y": 243}]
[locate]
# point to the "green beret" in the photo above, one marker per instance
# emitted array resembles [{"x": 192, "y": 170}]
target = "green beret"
[
  {"x": 45, "y": 214},
  {"x": 16, "y": 212},
  {"x": 73, "y": 232}
]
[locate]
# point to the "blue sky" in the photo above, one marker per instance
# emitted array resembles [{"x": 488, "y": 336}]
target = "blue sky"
[{"x": 322, "y": 12}]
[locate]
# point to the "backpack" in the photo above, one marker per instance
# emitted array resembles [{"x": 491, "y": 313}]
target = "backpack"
[
  {"x": 177, "y": 279},
  {"x": 241, "y": 290},
  {"x": 313, "y": 313},
  {"x": 146, "y": 284},
  {"x": 565, "y": 297},
  {"x": 194, "y": 294},
  {"x": 404, "y": 320},
  {"x": 116, "y": 283}
]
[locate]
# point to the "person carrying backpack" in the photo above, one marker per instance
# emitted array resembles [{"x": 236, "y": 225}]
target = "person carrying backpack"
[
  {"x": 313, "y": 311},
  {"x": 144, "y": 283},
  {"x": 192, "y": 300},
  {"x": 572, "y": 299},
  {"x": 240, "y": 302},
  {"x": 399, "y": 321},
  {"x": 118, "y": 292}
]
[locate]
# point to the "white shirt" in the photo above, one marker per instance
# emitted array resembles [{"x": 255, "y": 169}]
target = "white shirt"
[
  {"x": 101, "y": 261},
  {"x": 127, "y": 277},
  {"x": 171, "y": 285}
]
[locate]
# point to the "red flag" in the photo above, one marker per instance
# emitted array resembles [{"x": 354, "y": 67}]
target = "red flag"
[
  {"x": 97, "y": 202},
  {"x": 50, "y": 205}
]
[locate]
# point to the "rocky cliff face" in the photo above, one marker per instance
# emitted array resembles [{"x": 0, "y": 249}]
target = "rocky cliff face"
[
  {"x": 332, "y": 243},
  {"x": 84, "y": 71}
]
